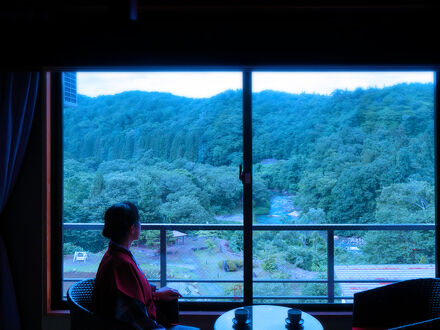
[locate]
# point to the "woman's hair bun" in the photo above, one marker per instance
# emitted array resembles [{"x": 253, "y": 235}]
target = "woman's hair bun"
[{"x": 117, "y": 220}]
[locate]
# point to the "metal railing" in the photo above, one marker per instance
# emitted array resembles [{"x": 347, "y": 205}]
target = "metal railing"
[{"x": 328, "y": 228}]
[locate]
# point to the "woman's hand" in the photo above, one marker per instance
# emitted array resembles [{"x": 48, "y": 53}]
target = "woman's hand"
[{"x": 167, "y": 294}]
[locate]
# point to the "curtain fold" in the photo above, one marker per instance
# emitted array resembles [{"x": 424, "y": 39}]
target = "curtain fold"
[{"x": 18, "y": 95}]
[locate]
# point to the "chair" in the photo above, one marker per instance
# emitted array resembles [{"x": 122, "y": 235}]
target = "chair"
[
  {"x": 79, "y": 297},
  {"x": 425, "y": 325},
  {"x": 397, "y": 304}
]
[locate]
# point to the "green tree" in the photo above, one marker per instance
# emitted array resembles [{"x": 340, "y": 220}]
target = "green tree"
[{"x": 412, "y": 202}]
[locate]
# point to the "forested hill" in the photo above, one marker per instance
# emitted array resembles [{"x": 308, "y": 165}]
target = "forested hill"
[
  {"x": 339, "y": 154},
  {"x": 208, "y": 130},
  {"x": 364, "y": 156}
]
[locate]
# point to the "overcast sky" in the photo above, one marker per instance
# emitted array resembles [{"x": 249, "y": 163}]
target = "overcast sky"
[{"x": 207, "y": 84}]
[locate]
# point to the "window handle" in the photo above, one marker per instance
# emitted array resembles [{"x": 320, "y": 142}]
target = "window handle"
[{"x": 240, "y": 173}]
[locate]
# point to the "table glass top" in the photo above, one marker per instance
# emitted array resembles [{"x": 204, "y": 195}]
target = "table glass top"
[{"x": 265, "y": 317}]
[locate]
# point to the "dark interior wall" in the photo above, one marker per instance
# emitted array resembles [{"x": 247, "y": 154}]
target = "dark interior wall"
[
  {"x": 22, "y": 230},
  {"x": 222, "y": 36},
  {"x": 263, "y": 33}
]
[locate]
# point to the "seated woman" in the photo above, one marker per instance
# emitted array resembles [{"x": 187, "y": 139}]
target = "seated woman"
[{"x": 122, "y": 290}]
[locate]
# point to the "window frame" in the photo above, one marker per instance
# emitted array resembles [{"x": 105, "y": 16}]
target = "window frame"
[{"x": 54, "y": 189}]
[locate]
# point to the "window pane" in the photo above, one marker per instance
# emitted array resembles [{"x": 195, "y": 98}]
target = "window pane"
[
  {"x": 290, "y": 267},
  {"x": 382, "y": 256},
  {"x": 207, "y": 265},
  {"x": 171, "y": 143},
  {"x": 344, "y": 148},
  {"x": 81, "y": 263}
]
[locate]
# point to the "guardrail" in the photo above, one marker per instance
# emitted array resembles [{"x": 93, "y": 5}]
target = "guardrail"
[{"x": 328, "y": 228}]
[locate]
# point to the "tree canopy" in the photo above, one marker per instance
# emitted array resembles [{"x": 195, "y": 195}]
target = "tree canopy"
[{"x": 363, "y": 156}]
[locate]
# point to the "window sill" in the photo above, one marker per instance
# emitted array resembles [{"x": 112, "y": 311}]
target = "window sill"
[
  {"x": 57, "y": 312},
  {"x": 186, "y": 314}
]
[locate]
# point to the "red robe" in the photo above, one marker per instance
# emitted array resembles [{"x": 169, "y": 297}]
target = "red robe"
[{"x": 118, "y": 273}]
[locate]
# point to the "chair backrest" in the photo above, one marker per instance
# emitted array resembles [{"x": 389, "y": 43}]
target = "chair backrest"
[
  {"x": 397, "y": 304},
  {"x": 425, "y": 325},
  {"x": 79, "y": 297}
]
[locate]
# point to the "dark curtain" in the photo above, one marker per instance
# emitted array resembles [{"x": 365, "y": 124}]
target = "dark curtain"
[{"x": 18, "y": 94}]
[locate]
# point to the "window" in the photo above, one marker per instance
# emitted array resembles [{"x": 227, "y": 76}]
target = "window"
[
  {"x": 351, "y": 157},
  {"x": 340, "y": 166}
]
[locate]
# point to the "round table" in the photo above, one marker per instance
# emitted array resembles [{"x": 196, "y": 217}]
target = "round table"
[{"x": 265, "y": 317}]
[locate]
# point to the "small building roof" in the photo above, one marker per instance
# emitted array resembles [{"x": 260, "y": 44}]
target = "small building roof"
[
  {"x": 178, "y": 234},
  {"x": 382, "y": 273}
]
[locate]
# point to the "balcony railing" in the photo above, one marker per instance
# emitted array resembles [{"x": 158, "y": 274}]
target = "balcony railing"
[{"x": 328, "y": 228}]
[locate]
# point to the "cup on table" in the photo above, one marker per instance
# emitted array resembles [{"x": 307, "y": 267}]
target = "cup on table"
[
  {"x": 294, "y": 315},
  {"x": 241, "y": 315}
]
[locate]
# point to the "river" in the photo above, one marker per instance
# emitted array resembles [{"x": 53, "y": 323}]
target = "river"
[{"x": 281, "y": 209}]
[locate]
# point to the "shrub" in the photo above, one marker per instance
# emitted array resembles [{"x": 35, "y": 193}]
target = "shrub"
[
  {"x": 70, "y": 248},
  {"x": 317, "y": 289},
  {"x": 150, "y": 238},
  {"x": 86, "y": 240},
  {"x": 300, "y": 257},
  {"x": 269, "y": 264},
  {"x": 232, "y": 265},
  {"x": 212, "y": 246}
]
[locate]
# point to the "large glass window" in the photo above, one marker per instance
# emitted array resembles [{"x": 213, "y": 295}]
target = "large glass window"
[
  {"x": 343, "y": 180},
  {"x": 342, "y": 148},
  {"x": 171, "y": 143}
]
